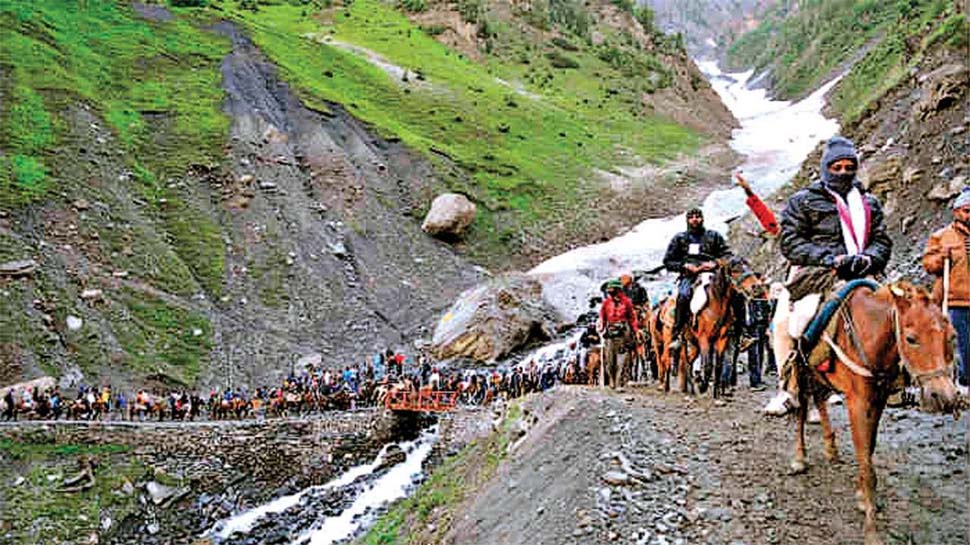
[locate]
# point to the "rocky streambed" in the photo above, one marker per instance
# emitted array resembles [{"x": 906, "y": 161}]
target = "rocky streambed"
[{"x": 335, "y": 511}]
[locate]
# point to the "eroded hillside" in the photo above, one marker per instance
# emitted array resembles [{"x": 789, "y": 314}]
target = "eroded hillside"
[{"x": 203, "y": 195}]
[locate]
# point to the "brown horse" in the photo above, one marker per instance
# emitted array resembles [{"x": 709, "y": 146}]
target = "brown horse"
[
  {"x": 642, "y": 353},
  {"x": 593, "y": 361},
  {"x": 661, "y": 335},
  {"x": 904, "y": 332},
  {"x": 711, "y": 326}
]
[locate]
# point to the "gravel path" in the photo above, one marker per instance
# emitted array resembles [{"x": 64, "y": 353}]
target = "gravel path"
[{"x": 640, "y": 467}]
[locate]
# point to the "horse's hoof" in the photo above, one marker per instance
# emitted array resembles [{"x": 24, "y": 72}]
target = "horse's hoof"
[{"x": 797, "y": 467}]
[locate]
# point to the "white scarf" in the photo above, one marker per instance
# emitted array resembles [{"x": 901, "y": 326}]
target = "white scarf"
[{"x": 855, "y": 217}]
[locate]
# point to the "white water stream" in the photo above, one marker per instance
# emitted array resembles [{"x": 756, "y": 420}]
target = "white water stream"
[
  {"x": 775, "y": 138},
  {"x": 391, "y": 486}
]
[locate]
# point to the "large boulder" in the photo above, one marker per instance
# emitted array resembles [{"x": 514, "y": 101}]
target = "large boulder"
[
  {"x": 493, "y": 319},
  {"x": 941, "y": 89},
  {"x": 449, "y": 216}
]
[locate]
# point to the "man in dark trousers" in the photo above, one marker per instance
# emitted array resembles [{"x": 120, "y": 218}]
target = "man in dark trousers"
[
  {"x": 948, "y": 250},
  {"x": 690, "y": 253}
]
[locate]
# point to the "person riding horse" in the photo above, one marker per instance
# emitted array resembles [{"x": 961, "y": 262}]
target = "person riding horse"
[
  {"x": 690, "y": 253},
  {"x": 831, "y": 231}
]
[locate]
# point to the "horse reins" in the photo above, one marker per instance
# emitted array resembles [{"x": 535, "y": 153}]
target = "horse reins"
[{"x": 865, "y": 370}]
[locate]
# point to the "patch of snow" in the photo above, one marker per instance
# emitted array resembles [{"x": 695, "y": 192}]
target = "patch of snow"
[{"x": 775, "y": 137}]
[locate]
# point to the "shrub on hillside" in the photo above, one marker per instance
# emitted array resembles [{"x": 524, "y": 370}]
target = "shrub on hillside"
[
  {"x": 189, "y": 3},
  {"x": 644, "y": 15},
  {"x": 471, "y": 10},
  {"x": 559, "y": 60},
  {"x": 571, "y": 15},
  {"x": 414, "y": 6},
  {"x": 563, "y": 43},
  {"x": 625, "y": 5}
]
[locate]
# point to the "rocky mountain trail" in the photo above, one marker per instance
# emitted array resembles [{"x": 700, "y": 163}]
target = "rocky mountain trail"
[{"x": 642, "y": 467}]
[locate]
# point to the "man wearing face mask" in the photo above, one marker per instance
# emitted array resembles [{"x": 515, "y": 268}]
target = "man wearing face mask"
[
  {"x": 831, "y": 230},
  {"x": 950, "y": 247},
  {"x": 690, "y": 253}
]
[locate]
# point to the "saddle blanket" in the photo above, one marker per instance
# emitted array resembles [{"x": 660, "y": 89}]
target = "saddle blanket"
[
  {"x": 808, "y": 322},
  {"x": 699, "y": 297}
]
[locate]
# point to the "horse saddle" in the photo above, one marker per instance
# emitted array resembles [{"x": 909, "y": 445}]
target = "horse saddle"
[
  {"x": 699, "y": 297},
  {"x": 816, "y": 327}
]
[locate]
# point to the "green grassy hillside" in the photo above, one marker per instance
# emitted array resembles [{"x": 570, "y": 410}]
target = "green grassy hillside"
[
  {"x": 805, "y": 46},
  {"x": 526, "y": 125},
  {"x": 113, "y": 147}
]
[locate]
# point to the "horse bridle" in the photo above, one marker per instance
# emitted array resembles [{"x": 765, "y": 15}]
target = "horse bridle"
[
  {"x": 865, "y": 369},
  {"x": 946, "y": 371}
]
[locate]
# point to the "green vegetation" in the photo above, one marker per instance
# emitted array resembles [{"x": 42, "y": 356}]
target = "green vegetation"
[
  {"x": 527, "y": 148},
  {"x": 457, "y": 478},
  {"x": 37, "y": 512},
  {"x": 161, "y": 339},
  {"x": 804, "y": 47},
  {"x": 25, "y": 451},
  {"x": 156, "y": 85}
]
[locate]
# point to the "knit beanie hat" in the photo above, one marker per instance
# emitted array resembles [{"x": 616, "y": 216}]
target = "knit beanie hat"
[{"x": 837, "y": 148}]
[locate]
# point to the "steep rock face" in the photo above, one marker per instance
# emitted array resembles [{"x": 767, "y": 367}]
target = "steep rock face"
[
  {"x": 493, "y": 319},
  {"x": 709, "y": 26},
  {"x": 335, "y": 219}
]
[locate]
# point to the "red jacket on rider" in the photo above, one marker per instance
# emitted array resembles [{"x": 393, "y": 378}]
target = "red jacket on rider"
[{"x": 618, "y": 311}]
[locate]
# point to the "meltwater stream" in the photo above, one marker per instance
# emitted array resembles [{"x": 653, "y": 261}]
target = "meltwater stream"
[
  {"x": 325, "y": 530},
  {"x": 775, "y": 138}
]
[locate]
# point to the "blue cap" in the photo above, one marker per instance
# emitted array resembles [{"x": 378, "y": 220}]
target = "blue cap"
[{"x": 963, "y": 199}]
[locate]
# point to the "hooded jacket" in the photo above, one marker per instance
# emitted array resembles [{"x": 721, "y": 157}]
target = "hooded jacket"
[{"x": 811, "y": 231}]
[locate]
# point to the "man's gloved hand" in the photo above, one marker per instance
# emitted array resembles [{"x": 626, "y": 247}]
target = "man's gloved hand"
[
  {"x": 837, "y": 262},
  {"x": 859, "y": 264}
]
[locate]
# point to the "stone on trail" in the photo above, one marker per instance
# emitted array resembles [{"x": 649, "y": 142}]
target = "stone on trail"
[
  {"x": 89, "y": 294},
  {"x": 449, "y": 216},
  {"x": 617, "y": 478},
  {"x": 158, "y": 492},
  {"x": 493, "y": 319},
  {"x": 74, "y": 323},
  {"x": 947, "y": 190},
  {"x": 22, "y": 267}
]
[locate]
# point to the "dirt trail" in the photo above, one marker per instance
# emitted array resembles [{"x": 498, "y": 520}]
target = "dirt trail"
[{"x": 710, "y": 474}]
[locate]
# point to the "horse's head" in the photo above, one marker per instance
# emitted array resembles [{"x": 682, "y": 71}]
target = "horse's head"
[
  {"x": 741, "y": 276},
  {"x": 924, "y": 339}
]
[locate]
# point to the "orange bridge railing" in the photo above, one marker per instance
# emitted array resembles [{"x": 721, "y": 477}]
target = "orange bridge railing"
[{"x": 424, "y": 401}]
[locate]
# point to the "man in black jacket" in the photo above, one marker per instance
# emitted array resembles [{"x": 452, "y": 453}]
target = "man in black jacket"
[
  {"x": 690, "y": 253},
  {"x": 831, "y": 230}
]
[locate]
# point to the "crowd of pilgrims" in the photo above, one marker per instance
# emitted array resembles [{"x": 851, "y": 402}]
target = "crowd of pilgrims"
[{"x": 310, "y": 390}]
